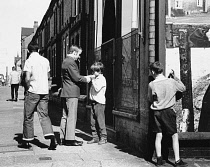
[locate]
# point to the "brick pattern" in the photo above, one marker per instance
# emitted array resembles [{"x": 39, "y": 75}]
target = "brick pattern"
[{"x": 152, "y": 31}]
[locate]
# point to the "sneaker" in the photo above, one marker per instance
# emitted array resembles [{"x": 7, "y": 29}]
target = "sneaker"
[
  {"x": 160, "y": 162},
  {"x": 180, "y": 163},
  {"x": 102, "y": 141}
]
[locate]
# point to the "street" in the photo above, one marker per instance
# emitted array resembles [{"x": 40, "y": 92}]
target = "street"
[{"x": 93, "y": 155}]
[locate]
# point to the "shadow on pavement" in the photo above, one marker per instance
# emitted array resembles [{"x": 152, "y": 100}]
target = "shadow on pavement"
[
  {"x": 83, "y": 129},
  {"x": 9, "y": 100},
  {"x": 36, "y": 142}
]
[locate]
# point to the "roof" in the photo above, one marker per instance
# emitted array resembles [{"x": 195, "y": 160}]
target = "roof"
[{"x": 26, "y": 31}]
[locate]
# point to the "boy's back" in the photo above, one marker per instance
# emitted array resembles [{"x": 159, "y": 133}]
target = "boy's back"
[{"x": 165, "y": 89}]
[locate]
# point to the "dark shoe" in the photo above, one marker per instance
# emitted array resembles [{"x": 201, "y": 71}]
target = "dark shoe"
[
  {"x": 93, "y": 141},
  {"x": 16, "y": 100},
  {"x": 25, "y": 145},
  {"x": 102, "y": 141},
  {"x": 52, "y": 146},
  {"x": 73, "y": 143},
  {"x": 180, "y": 163},
  {"x": 160, "y": 162}
]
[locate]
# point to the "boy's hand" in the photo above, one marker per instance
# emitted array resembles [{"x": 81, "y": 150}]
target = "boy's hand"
[
  {"x": 92, "y": 76},
  {"x": 171, "y": 74},
  {"x": 88, "y": 78}
]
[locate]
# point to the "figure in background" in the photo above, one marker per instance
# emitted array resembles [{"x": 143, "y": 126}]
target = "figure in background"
[
  {"x": 37, "y": 70},
  {"x": 162, "y": 94},
  {"x": 14, "y": 80},
  {"x": 70, "y": 93},
  {"x": 98, "y": 101}
]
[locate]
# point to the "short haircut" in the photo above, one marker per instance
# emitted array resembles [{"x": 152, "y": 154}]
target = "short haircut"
[
  {"x": 74, "y": 48},
  {"x": 33, "y": 47},
  {"x": 157, "y": 67},
  {"x": 97, "y": 66}
]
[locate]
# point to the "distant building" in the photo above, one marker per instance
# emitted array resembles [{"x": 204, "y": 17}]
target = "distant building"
[
  {"x": 17, "y": 62},
  {"x": 176, "y": 8},
  {"x": 26, "y": 37}
]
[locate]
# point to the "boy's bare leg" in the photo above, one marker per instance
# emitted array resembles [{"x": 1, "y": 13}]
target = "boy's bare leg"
[
  {"x": 158, "y": 144},
  {"x": 175, "y": 143}
]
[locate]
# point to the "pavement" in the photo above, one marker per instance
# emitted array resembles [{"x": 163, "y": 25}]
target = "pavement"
[{"x": 89, "y": 155}]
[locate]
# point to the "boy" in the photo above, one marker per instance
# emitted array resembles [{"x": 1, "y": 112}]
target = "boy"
[
  {"x": 97, "y": 97},
  {"x": 161, "y": 93}
]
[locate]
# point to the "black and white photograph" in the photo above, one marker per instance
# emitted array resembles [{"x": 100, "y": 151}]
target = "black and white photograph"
[{"x": 105, "y": 83}]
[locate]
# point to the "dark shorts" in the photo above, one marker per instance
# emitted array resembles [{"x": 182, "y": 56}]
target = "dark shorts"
[{"x": 165, "y": 121}]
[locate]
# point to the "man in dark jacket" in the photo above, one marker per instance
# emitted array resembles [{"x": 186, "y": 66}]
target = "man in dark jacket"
[{"x": 70, "y": 93}]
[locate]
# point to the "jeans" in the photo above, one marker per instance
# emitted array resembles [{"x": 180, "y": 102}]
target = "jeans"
[
  {"x": 40, "y": 103},
  {"x": 69, "y": 118},
  {"x": 97, "y": 118},
  {"x": 14, "y": 89}
]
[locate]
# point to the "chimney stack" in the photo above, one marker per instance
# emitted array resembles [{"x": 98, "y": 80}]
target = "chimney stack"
[{"x": 35, "y": 26}]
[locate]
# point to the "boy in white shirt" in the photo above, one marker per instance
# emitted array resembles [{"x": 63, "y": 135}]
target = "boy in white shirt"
[{"x": 98, "y": 100}]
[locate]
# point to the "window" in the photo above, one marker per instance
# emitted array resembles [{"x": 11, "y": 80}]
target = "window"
[
  {"x": 55, "y": 22},
  {"x": 64, "y": 49},
  {"x": 55, "y": 64},
  {"x": 178, "y": 4},
  {"x": 200, "y": 3},
  {"x": 67, "y": 43}
]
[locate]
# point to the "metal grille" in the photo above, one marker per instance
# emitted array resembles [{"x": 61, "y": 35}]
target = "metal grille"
[
  {"x": 121, "y": 60},
  {"x": 127, "y": 65}
]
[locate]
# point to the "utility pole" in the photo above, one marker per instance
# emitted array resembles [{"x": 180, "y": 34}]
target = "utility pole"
[{"x": 185, "y": 73}]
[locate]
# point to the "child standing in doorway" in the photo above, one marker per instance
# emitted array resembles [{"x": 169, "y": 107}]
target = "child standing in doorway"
[{"x": 98, "y": 100}]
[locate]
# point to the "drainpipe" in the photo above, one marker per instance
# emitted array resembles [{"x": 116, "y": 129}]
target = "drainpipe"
[
  {"x": 134, "y": 23},
  {"x": 169, "y": 8}
]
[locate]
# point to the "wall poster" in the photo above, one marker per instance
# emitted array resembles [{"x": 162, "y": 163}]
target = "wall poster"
[{"x": 188, "y": 54}]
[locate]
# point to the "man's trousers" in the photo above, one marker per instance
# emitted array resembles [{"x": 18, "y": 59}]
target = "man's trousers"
[
  {"x": 69, "y": 118},
  {"x": 40, "y": 103},
  {"x": 14, "y": 91}
]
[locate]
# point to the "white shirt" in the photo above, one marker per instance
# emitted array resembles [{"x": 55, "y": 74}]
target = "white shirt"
[
  {"x": 39, "y": 67},
  {"x": 14, "y": 77},
  {"x": 98, "y": 89}
]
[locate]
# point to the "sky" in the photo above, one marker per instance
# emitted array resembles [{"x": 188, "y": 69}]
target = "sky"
[{"x": 15, "y": 14}]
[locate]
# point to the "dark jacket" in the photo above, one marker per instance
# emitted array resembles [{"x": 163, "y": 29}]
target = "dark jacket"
[{"x": 71, "y": 78}]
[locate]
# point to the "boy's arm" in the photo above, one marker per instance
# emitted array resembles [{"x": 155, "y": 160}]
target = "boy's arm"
[
  {"x": 150, "y": 93},
  {"x": 27, "y": 79},
  {"x": 179, "y": 85}
]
